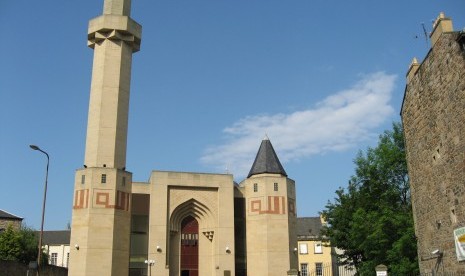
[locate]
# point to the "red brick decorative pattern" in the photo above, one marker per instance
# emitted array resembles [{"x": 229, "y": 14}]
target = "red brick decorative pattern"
[
  {"x": 81, "y": 199},
  {"x": 104, "y": 198},
  {"x": 275, "y": 205}
]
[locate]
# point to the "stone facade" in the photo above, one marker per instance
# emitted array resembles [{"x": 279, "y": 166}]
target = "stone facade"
[
  {"x": 16, "y": 224},
  {"x": 173, "y": 196},
  {"x": 433, "y": 116}
]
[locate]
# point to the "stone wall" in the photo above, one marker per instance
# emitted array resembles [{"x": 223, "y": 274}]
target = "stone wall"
[
  {"x": 11, "y": 268},
  {"x": 5, "y": 222},
  {"x": 433, "y": 116}
]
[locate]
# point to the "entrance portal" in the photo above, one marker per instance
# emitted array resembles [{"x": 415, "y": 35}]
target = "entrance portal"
[{"x": 189, "y": 247}]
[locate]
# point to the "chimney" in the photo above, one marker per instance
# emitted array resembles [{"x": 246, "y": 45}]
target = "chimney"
[
  {"x": 442, "y": 24},
  {"x": 412, "y": 69}
]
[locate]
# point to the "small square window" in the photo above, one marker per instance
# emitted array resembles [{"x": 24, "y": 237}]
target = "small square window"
[
  {"x": 318, "y": 248},
  {"x": 83, "y": 179},
  {"x": 303, "y": 248},
  {"x": 275, "y": 187},
  {"x": 104, "y": 178},
  {"x": 255, "y": 187}
]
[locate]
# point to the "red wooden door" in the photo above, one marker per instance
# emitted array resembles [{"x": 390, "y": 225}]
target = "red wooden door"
[{"x": 189, "y": 247}]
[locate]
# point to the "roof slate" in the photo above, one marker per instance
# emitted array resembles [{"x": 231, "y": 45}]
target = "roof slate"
[
  {"x": 55, "y": 237},
  {"x": 266, "y": 160},
  {"x": 6, "y": 215},
  {"x": 308, "y": 228}
]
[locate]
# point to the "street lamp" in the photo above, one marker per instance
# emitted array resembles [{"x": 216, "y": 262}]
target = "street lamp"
[
  {"x": 150, "y": 263},
  {"x": 39, "y": 255}
]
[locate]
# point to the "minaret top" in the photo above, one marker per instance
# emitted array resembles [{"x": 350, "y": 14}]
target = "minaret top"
[
  {"x": 115, "y": 24},
  {"x": 266, "y": 160},
  {"x": 117, "y": 7},
  {"x": 114, "y": 36}
]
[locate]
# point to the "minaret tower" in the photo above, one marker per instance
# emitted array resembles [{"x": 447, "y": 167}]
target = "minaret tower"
[
  {"x": 270, "y": 215},
  {"x": 100, "y": 230}
]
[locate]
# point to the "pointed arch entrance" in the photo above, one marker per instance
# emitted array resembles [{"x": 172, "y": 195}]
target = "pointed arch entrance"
[
  {"x": 182, "y": 222},
  {"x": 189, "y": 247}
]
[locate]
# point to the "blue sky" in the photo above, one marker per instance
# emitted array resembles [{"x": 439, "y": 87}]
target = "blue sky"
[{"x": 321, "y": 78}]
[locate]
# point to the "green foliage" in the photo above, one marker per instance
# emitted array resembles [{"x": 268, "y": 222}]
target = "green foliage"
[
  {"x": 18, "y": 245},
  {"x": 10, "y": 244},
  {"x": 371, "y": 220}
]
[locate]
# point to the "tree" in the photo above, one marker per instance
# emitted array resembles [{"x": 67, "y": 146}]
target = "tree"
[
  {"x": 10, "y": 244},
  {"x": 371, "y": 220},
  {"x": 18, "y": 245}
]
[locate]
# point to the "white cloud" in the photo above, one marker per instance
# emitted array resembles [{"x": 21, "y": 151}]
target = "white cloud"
[{"x": 338, "y": 122}]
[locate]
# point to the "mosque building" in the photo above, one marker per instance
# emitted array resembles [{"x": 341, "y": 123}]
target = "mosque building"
[{"x": 177, "y": 223}]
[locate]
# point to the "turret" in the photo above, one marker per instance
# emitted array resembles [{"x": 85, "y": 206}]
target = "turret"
[{"x": 270, "y": 215}]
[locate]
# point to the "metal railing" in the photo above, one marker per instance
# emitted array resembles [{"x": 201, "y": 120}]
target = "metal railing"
[
  {"x": 325, "y": 270},
  {"x": 329, "y": 270}
]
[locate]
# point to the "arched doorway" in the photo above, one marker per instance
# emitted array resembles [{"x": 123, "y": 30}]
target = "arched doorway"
[{"x": 189, "y": 247}]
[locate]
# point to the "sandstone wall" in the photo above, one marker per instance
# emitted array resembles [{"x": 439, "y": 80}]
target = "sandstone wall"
[{"x": 433, "y": 115}]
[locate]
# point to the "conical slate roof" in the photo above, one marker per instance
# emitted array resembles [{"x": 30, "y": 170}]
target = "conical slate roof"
[{"x": 266, "y": 160}]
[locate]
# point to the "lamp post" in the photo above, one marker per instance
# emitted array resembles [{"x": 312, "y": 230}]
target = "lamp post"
[
  {"x": 39, "y": 255},
  {"x": 150, "y": 263}
]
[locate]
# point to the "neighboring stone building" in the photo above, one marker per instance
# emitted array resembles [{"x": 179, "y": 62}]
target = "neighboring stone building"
[
  {"x": 316, "y": 255},
  {"x": 56, "y": 245},
  {"x": 433, "y": 116},
  {"x": 183, "y": 223},
  {"x": 9, "y": 219}
]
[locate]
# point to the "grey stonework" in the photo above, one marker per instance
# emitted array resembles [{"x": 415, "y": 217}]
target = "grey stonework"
[
  {"x": 16, "y": 224},
  {"x": 433, "y": 116}
]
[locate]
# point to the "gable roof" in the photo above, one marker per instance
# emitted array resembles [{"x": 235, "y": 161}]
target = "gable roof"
[
  {"x": 266, "y": 160},
  {"x": 6, "y": 215},
  {"x": 308, "y": 228}
]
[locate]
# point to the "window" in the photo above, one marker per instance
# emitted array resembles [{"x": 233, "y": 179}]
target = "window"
[
  {"x": 303, "y": 269},
  {"x": 83, "y": 179},
  {"x": 53, "y": 259},
  {"x": 275, "y": 187},
  {"x": 189, "y": 239},
  {"x": 318, "y": 248},
  {"x": 104, "y": 178},
  {"x": 318, "y": 269},
  {"x": 67, "y": 259},
  {"x": 453, "y": 216},
  {"x": 255, "y": 187},
  {"x": 123, "y": 183},
  {"x": 303, "y": 248}
]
